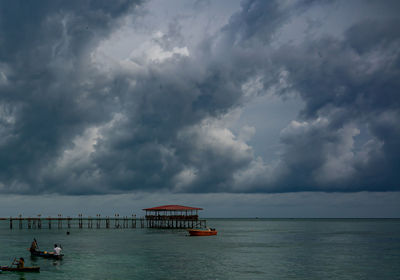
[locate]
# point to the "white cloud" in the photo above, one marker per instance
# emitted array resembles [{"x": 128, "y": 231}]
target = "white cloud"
[
  {"x": 183, "y": 180},
  {"x": 79, "y": 153},
  {"x": 339, "y": 163}
]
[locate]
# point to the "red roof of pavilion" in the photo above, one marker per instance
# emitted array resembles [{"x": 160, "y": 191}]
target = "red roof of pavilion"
[{"x": 172, "y": 208}]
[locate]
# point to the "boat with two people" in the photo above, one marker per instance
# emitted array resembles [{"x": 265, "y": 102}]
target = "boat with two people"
[{"x": 56, "y": 254}]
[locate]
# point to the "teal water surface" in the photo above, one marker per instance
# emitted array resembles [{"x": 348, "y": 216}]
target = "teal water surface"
[{"x": 243, "y": 249}]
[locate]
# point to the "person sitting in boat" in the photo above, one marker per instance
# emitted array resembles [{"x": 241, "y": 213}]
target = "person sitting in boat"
[
  {"x": 34, "y": 245},
  {"x": 57, "y": 250},
  {"x": 19, "y": 263}
]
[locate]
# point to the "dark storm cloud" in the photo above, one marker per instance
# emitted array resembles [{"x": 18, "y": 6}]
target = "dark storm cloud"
[
  {"x": 159, "y": 137},
  {"x": 349, "y": 82},
  {"x": 48, "y": 92},
  {"x": 68, "y": 127},
  {"x": 166, "y": 140}
]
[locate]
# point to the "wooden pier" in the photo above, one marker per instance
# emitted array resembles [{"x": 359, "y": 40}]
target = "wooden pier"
[
  {"x": 166, "y": 217},
  {"x": 60, "y": 222}
]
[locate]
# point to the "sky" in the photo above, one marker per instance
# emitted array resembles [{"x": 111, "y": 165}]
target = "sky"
[{"x": 246, "y": 108}]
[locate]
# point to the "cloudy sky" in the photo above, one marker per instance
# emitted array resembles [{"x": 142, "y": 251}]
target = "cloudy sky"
[{"x": 245, "y": 108}]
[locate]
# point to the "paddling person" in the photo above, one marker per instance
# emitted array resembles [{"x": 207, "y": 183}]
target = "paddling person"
[
  {"x": 57, "y": 250},
  {"x": 19, "y": 263},
  {"x": 34, "y": 245}
]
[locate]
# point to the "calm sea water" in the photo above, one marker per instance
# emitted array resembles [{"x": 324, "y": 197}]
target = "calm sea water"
[{"x": 243, "y": 249}]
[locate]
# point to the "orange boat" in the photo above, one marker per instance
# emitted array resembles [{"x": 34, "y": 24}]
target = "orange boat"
[{"x": 202, "y": 232}]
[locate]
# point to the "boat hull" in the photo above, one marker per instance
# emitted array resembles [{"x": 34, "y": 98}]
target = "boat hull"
[
  {"x": 45, "y": 254},
  {"x": 22, "y": 269},
  {"x": 200, "y": 232}
]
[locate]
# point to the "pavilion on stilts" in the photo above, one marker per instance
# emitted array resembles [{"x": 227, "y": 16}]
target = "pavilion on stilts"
[{"x": 174, "y": 216}]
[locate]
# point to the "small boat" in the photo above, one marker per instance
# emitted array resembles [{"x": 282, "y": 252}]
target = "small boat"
[
  {"x": 20, "y": 269},
  {"x": 45, "y": 254},
  {"x": 202, "y": 232}
]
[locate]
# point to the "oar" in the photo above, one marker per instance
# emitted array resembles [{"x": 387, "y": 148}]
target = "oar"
[{"x": 37, "y": 245}]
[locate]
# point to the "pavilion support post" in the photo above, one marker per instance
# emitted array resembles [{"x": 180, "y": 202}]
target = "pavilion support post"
[
  {"x": 29, "y": 223},
  {"x": 11, "y": 223},
  {"x": 49, "y": 222}
]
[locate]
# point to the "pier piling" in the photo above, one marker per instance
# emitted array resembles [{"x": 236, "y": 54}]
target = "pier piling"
[
  {"x": 20, "y": 221},
  {"x": 39, "y": 222},
  {"x": 80, "y": 221},
  {"x": 98, "y": 221},
  {"x": 59, "y": 221}
]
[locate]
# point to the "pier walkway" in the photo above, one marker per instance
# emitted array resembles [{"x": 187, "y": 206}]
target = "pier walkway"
[
  {"x": 98, "y": 222},
  {"x": 60, "y": 222}
]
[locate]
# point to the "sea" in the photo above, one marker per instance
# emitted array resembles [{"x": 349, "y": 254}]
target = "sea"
[{"x": 243, "y": 249}]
